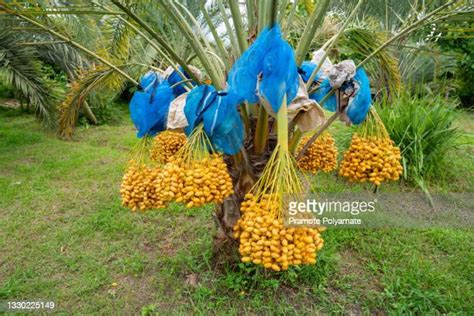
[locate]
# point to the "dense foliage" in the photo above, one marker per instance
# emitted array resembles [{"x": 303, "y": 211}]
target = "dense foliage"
[{"x": 423, "y": 129}]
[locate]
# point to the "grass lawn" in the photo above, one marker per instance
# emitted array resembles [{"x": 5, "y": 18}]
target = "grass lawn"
[{"x": 65, "y": 237}]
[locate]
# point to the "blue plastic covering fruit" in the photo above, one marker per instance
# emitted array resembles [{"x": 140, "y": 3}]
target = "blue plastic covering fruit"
[
  {"x": 149, "y": 110},
  {"x": 221, "y": 120},
  {"x": 242, "y": 78},
  {"x": 279, "y": 72},
  {"x": 271, "y": 56},
  {"x": 148, "y": 80},
  {"x": 174, "y": 78},
  {"x": 359, "y": 107},
  {"x": 305, "y": 71},
  {"x": 324, "y": 88}
]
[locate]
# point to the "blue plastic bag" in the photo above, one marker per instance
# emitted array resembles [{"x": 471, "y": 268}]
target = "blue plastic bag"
[
  {"x": 196, "y": 102},
  {"x": 149, "y": 110},
  {"x": 242, "y": 78},
  {"x": 223, "y": 125},
  {"x": 148, "y": 80},
  {"x": 175, "y": 77},
  {"x": 359, "y": 107},
  {"x": 279, "y": 72},
  {"x": 324, "y": 88},
  {"x": 305, "y": 72},
  {"x": 307, "y": 69},
  {"x": 221, "y": 120}
]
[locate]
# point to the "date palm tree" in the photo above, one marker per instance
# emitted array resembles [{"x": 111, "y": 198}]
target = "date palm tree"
[{"x": 151, "y": 34}]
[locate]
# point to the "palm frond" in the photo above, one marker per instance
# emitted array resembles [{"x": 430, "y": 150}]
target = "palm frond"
[
  {"x": 359, "y": 41},
  {"x": 21, "y": 69},
  {"x": 423, "y": 66},
  {"x": 120, "y": 37},
  {"x": 63, "y": 56},
  {"x": 94, "y": 80}
]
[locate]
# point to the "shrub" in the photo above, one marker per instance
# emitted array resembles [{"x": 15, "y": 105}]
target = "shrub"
[
  {"x": 105, "y": 109},
  {"x": 422, "y": 126}
]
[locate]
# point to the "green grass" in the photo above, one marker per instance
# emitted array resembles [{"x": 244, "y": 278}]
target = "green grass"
[{"x": 64, "y": 237}]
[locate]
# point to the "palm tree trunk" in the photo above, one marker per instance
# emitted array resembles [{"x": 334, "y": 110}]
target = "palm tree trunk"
[
  {"x": 225, "y": 247},
  {"x": 88, "y": 113}
]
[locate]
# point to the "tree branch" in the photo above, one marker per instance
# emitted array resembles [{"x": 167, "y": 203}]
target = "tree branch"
[{"x": 317, "y": 134}]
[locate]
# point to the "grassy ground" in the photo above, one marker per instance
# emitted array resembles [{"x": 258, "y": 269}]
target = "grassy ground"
[{"x": 64, "y": 237}]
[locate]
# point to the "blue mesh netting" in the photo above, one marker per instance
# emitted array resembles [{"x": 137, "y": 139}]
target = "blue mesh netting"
[
  {"x": 148, "y": 79},
  {"x": 359, "y": 107},
  {"x": 149, "y": 110},
  {"x": 280, "y": 73},
  {"x": 175, "y": 77},
  {"x": 222, "y": 122}
]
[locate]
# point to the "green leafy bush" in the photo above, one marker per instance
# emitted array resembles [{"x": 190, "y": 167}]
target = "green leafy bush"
[
  {"x": 422, "y": 126},
  {"x": 105, "y": 109}
]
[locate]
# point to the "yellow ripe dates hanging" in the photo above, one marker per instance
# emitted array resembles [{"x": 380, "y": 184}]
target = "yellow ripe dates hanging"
[
  {"x": 371, "y": 159},
  {"x": 206, "y": 181},
  {"x": 138, "y": 190},
  {"x": 264, "y": 241},
  {"x": 321, "y": 155},
  {"x": 169, "y": 182},
  {"x": 165, "y": 145}
]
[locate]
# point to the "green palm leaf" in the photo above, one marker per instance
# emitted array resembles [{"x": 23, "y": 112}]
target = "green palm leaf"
[
  {"x": 20, "y": 68},
  {"x": 359, "y": 41},
  {"x": 94, "y": 80}
]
